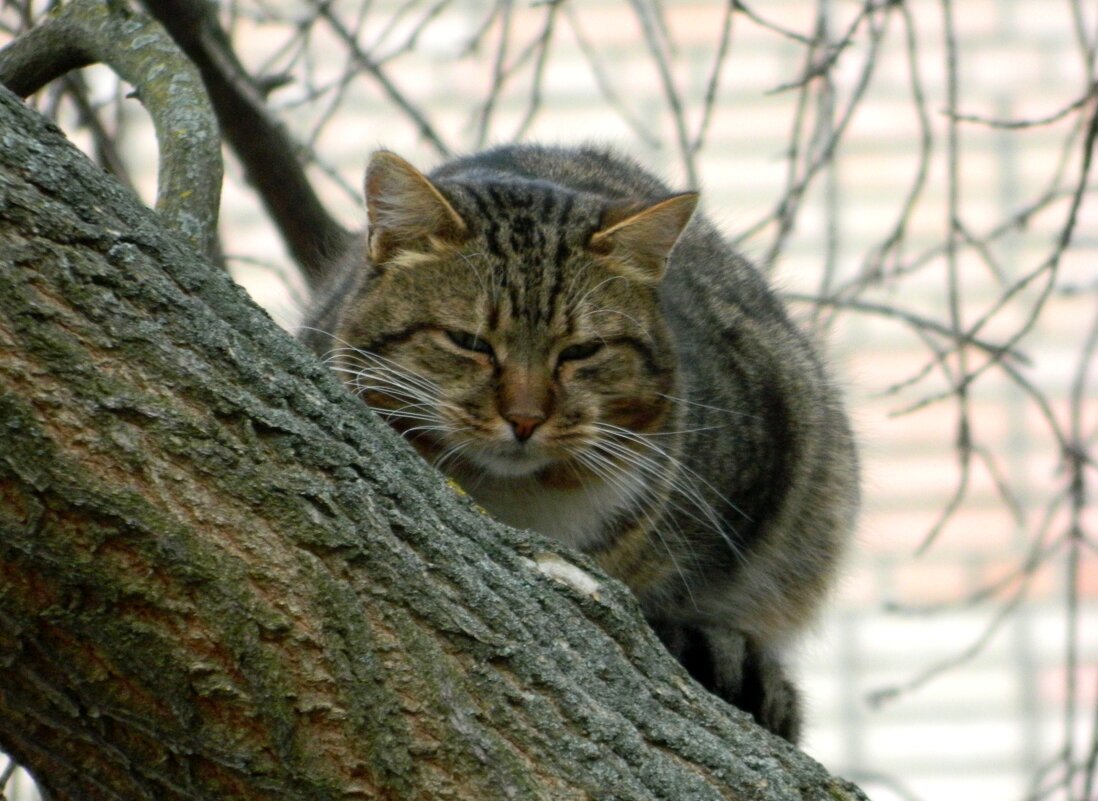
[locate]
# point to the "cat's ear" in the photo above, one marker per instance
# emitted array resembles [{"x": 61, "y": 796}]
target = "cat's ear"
[
  {"x": 404, "y": 208},
  {"x": 639, "y": 239}
]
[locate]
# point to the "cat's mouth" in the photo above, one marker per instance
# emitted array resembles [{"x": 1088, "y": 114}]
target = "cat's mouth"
[
  {"x": 496, "y": 451},
  {"x": 510, "y": 460}
]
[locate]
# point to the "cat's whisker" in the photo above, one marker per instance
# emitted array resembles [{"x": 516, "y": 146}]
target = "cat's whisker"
[
  {"x": 642, "y": 439},
  {"x": 391, "y": 390},
  {"x": 581, "y": 302},
  {"x": 391, "y": 385},
  {"x": 387, "y": 377},
  {"x": 686, "y": 402},
  {"x": 428, "y": 429},
  {"x": 450, "y": 454},
  {"x": 400, "y": 414},
  {"x": 681, "y": 469},
  {"x": 605, "y": 469},
  {"x": 333, "y": 353},
  {"x": 382, "y": 370},
  {"x": 658, "y": 470},
  {"x": 374, "y": 362},
  {"x": 678, "y": 432},
  {"x": 600, "y": 310},
  {"x": 409, "y": 411},
  {"x": 658, "y": 473},
  {"x": 368, "y": 360},
  {"x": 568, "y": 292},
  {"x": 412, "y": 408},
  {"x": 313, "y": 329},
  {"x": 467, "y": 258}
]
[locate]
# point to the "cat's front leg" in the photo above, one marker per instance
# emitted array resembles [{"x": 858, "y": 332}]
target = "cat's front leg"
[{"x": 738, "y": 669}]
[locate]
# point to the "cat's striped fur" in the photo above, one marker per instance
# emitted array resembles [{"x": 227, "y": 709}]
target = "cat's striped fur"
[{"x": 559, "y": 332}]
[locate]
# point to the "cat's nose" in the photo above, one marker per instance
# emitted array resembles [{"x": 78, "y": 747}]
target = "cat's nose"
[{"x": 524, "y": 426}]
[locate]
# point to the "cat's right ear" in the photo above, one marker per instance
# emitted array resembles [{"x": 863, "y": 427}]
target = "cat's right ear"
[
  {"x": 639, "y": 238},
  {"x": 405, "y": 209}
]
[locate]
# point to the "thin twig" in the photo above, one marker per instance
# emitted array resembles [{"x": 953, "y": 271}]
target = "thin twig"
[
  {"x": 1009, "y": 125},
  {"x": 641, "y": 129},
  {"x": 373, "y": 68},
  {"x": 671, "y": 95},
  {"x": 884, "y": 695}
]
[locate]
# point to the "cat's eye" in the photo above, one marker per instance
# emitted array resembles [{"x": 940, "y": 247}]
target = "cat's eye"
[
  {"x": 580, "y": 351},
  {"x": 467, "y": 341}
]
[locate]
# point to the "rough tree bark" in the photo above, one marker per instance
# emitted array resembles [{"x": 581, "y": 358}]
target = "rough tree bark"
[{"x": 221, "y": 577}]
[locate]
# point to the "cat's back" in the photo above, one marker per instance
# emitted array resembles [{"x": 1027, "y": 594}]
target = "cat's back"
[{"x": 586, "y": 169}]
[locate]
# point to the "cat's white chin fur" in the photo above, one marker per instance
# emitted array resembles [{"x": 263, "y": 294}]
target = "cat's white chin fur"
[
  {"x": 518, "y": 466},
  {"x": 510, "y": 459},
  {"x": 577, "y": 516},
  {"x": 511, "y": 466}
]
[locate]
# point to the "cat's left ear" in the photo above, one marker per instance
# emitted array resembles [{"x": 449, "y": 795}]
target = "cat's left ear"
[
  {"x": 638, "y": 240},
  {"x": 405, "y": 209}
]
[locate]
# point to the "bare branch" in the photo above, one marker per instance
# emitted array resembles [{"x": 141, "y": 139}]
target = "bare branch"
[
  {"x": 82, "y": 33},
  {"x": 262, "y": 145},
  {"x": 365, "y": 62}
]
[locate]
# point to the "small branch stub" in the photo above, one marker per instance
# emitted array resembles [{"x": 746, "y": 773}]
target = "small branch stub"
[{"x": 137, "y": 48}]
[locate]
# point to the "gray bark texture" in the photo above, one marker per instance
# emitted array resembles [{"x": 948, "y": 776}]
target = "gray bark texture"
[{"x": 222, "y": 578}]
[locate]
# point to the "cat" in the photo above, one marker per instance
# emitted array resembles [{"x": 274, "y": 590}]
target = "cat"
[{"x": 575, "y": 346}]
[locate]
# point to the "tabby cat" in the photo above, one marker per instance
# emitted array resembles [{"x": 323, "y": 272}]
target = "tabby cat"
[{"x": 561, "y": 334}]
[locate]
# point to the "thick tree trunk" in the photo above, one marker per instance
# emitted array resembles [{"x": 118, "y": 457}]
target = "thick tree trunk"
[{"x": 221, "y": 578}]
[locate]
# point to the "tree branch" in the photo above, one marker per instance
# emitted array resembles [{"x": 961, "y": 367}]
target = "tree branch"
[
  {"x": 221, "y": 577},
  {"x": 314, "y": 238},
  {"x": 86, "y": 32}
]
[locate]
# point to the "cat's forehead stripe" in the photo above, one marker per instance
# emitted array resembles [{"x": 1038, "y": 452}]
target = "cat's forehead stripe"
[
  {"x": 525, "y": 227},
  {"x": 488, "y": 220},
  {"x": 562, "y": 224}
]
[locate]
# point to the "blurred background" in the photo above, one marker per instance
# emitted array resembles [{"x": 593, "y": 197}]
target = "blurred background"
[{"x": 916, "y": 179}]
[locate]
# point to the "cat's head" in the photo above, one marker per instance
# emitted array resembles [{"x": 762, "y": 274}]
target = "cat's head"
[{"x": 511, "y": 326}]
